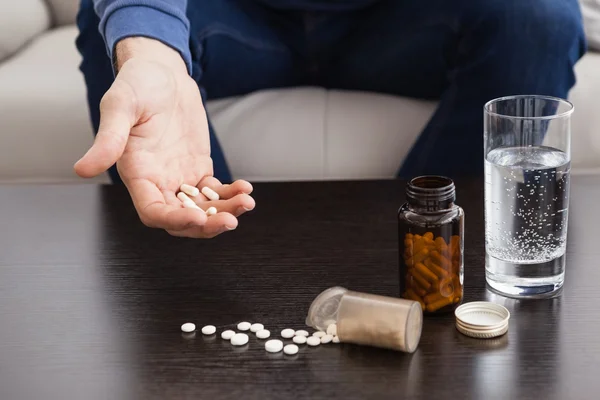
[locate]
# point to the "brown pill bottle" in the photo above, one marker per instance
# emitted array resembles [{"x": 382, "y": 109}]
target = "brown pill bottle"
[{"x": 430, "y": 242}]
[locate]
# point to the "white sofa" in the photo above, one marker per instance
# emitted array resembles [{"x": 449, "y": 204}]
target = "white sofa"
[{"x": 317, "y": 134}]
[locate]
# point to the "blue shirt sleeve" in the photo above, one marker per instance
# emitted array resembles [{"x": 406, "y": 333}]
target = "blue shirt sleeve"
[{"x": 163, "y": 20}]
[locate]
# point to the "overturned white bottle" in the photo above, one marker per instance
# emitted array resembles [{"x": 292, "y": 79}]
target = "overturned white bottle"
[{"x": 368, "y": 319}]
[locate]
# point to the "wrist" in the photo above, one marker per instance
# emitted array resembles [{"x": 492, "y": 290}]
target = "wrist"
[{"x": 149, "y": 50}]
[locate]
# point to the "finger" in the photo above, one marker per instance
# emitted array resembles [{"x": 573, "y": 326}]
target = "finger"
[
  {"x": 154, "y": 212},
  {"x": 237, "y": 205},
  {"x": 226, "y": 191},
  {"x": 215, "y": 225},
  {"x": 117, "y": 116},
  {"x": 172, "y": 217}
]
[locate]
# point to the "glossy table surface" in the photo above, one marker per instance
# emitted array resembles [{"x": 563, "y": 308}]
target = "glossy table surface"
[{"x": 91, "y": 301}]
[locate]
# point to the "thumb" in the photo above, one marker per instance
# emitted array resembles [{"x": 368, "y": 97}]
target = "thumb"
[{"x": 117, "y": 117}]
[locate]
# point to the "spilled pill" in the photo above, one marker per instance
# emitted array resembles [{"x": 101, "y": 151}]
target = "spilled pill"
[
  {"x": 239, "y": 339},
  {"x": 301, "y": 332},
  {"x": 299, "y": 339},
  {"x": 319, "y": 334},
  {"x": 290, "y": 349},
  {"x": 274, "y": 346},
  {"x": 209, "y": 330},
  {"x": 189, "y": 190},
  {"x": 288, "y": 333},
  {"x": 263, "y": 334},
  {"x": 244, "y": 326},
  {"x": 256, "y": 327},
  {"x": 227, "y": 335},
  {"x": 211, "y": 211},
  {"x": 210, "y": 194},
  {"x": 335, "y": 339},
  {"x": 326, "y": 339},
  {"x": 188, "y": 327},
  {"x": 313, "y": 341},
  {"x": 332, "y": 330}
]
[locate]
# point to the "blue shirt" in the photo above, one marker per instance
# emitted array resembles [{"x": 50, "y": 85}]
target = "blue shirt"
[{"x": 165, "y": 20}]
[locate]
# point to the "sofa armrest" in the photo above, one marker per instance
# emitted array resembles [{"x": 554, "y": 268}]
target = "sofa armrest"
[
  {"x": 591, "y": 20},
  {"x": 21, "y": 21}
]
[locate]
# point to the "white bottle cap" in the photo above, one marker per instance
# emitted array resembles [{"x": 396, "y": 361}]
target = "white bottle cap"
[{"x": 482, "y": 319}]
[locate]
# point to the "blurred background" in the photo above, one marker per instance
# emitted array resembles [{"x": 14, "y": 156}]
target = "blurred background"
[{"x": 44, "y": 124}]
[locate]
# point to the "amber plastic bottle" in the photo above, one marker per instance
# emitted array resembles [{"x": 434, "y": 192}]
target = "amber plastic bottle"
[{"x": 431, "y": 233}]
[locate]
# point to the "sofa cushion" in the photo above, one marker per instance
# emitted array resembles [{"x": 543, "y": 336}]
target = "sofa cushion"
[
  {"x": 585, "y": 140},
  {"x": 63, "y": 11},
  {"x": 287, "y": 134},
  {"x": 20, "y": 21}
]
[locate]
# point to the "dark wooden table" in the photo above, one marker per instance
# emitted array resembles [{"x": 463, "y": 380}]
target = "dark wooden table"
[{"x": 91, "y": 302}]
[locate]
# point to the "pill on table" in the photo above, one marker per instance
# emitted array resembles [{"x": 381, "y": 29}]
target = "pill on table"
[
  {"x": 299, "y": 339},
  {"x": 256, "y": 327},
  {"x": 244, "y": 326},
  {"x": 290, "y": 349},
  {"x": 319, "y": 334},
  {"x": 332, "y": 330},
  {"x": 326, "y": 339},
  {"x": 189, "y": 190},
  {"x": 210, "y": 194},
  {"x": 211, "y": 211},
  {"x": 301, "y": 332},
  {"x": 209, "y": 330},
  {"x": 313, "y": 341},
  {"x": 274, "y": 346},
  {"x": 228, "y": 334},
  {"x": 239, "y": 339},
  {"x": 288, "y": 333},
  {"x": 336, "y": 339},
  {"x": 188, "y": 327},
  {"x": 263, "y": 334}
]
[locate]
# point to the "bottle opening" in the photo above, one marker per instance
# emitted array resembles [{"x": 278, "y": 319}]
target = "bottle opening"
[{"x": 431, "y": 192}]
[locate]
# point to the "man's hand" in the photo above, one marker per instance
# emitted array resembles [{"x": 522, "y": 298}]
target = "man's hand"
[{"x": 153, "y": 125}]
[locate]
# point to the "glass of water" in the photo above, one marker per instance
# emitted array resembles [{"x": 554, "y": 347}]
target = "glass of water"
[{"x": 527, "y": 147}]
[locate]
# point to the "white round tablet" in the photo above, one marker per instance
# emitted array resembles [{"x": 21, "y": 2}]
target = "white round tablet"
[
  {"x": 332, "y": 330},
  {"x": 256, "y": 327},
  {"x": 326, "y": 339},
  {"x": 274, "y": 346},
  {"x": 299, "y": 339},
  {"x": 336, "y": 339},
  {"x": 239, "y": 339},
  {"x": 188, "y": 327},
  {"x": 288, "y": 333},
  {"x": 227, "y": 335},
  {"x": 209, "y": 330},
  {"x": 244, "y": 326},
  {"x": 319, "y": 334},
  {"x": 301, "y": 332},
  {"x": 263, "y": 334},
  {"x": 313, "y": 341},
  {"x": 290, "y": 349}
]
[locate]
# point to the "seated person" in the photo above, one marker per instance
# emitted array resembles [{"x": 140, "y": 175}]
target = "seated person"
[{"x": 149, "y": 66}]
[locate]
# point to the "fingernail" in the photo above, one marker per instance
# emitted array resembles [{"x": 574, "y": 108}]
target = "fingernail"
[
  {"x": 229, "y": 228},
  {"x": 247, "y": 209}
]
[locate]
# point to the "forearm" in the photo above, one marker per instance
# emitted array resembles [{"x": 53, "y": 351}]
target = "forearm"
[{"x": 162, "y": 20}]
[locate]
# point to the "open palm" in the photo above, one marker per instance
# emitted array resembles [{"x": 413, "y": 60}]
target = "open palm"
[{"x": 153, "y": 125}]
